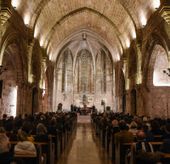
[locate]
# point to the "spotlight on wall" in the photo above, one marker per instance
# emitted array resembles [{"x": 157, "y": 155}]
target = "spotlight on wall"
[
  {"x": 15, "y": 3},
  {"x": 167, "y": 71},
  {"x": 156, "y": 4}
]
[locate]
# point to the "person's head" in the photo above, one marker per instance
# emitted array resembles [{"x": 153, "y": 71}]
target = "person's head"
[
  {"x": 145, "y": 119},
  {"x": 22, "y": 136},
  {"x": 4, "y": 116},
  {"x": 27, "y": 127},
  {"x": 133, "y": 125},
  {"x": 60, "y": 106},
  {"x": 115, "y": 123},
  {"x": 41, "y": 129},
  {"x": 140, "y": 135},
  {"x": 2, "y": 130},
  {"x": 155, "y": 125},
  {"x": 145, "y": 128},
  {"x": 122, "y": 125}
]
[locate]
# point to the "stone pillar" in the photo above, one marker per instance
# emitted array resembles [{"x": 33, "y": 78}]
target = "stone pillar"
[
  {"x": 5, "y": 14},
  {"x": 20, "y": 98},
  {"x": 140, "y": 102},
  {"x": 116, "y": 78},
  {"x": 139, "y": 63},
  {"x": 127, "y": 85},
  {"x": 24, "y": 96},
  {"x": 29, "y": 54}
]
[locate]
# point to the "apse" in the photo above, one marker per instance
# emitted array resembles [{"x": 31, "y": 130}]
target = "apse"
[{"x": 84, "y": 74}]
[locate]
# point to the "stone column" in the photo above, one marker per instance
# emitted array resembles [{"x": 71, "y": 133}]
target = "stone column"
[
  {"x": 5, "y": 14},
  {"x": 29, "y": 54},
  {"x": 127, "y": 85},
  {"x": 139, "y": 63},
  {"x": 20, "y": 98}
]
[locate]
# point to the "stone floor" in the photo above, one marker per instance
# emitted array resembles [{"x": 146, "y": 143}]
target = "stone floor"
[{"x": 84, "y": 148}]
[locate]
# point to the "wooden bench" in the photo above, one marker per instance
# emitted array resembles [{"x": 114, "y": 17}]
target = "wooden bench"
[{"x": 124, "y": 146}]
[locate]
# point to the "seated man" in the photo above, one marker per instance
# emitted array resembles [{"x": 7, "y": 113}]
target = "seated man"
[{"x": 124, "y": 136}]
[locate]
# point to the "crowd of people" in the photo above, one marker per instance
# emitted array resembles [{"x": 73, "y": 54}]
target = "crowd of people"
[
  {"x": 29, "y": 129},
  {"x": 125, "y": 128},
  {"x": 120, "y": 127}
]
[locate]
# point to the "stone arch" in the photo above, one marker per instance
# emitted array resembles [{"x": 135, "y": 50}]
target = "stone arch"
[
  {"x": 156, "y": 98},
  {"x": 12, "y": 57},
  {"x": 154, "y": 55},
  {"x": 154, "y": 39},
  {"x": 14, "y": 38}
]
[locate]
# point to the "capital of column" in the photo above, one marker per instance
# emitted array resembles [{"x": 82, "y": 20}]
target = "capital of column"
[
  {"x": 165, "y": 11},
  {"x": 5, "y": 14}
]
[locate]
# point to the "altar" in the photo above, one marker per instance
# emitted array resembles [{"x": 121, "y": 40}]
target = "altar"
[
  {"x": 84, "y": 99},
  {"x": 85, "y": 110}
]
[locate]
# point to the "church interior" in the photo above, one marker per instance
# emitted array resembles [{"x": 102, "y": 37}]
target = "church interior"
[{"x": 76, "y": 70}]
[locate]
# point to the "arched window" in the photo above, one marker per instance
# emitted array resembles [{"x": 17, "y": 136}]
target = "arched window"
[
  {"x": 65, "y": 71},
  {"x": 103, "y": 72},
  {"x": 84, "y": 72},
  {"x": 161, "y": 63}
]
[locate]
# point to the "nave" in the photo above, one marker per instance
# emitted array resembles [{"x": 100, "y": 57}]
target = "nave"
[
  {"x": 84, "y": 147},
  {"x": 63, "y": 57}
]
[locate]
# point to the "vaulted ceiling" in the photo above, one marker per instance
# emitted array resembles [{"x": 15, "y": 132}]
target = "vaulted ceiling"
[{"x": 116, "y": 21}]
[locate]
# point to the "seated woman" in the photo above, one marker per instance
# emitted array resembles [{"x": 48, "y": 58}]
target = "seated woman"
[
  {"x": 41, "y": 133},
  {"x": 25, "y": 147},
  {"x": 5, "y": 154}
]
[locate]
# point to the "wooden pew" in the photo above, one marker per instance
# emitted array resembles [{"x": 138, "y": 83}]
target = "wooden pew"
[
  {"x": 124, "y": 146},
  {"x": 157, "y": 138},
  {"x": 166, "y": 156}
]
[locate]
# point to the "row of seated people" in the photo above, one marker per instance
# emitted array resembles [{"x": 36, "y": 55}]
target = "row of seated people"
[
  {"x": 20, "y": 136},
  {"x": 116, "y": 129}
]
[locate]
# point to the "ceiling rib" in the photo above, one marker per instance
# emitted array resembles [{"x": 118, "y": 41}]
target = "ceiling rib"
[
  {"x": 83, "y": 9},
  {"x": 128, "y": 12},
  {"x": 37, "y": 12}
]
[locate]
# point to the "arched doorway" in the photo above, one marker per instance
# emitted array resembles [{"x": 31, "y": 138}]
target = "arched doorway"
[{"x": 10, "y": 78}]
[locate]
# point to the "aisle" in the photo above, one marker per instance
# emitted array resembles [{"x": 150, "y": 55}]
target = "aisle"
[{"x": 84, "y": 148}]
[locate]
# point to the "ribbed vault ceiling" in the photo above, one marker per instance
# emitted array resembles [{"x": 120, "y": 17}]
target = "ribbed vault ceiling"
[{"x": 116, "y": 21}]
